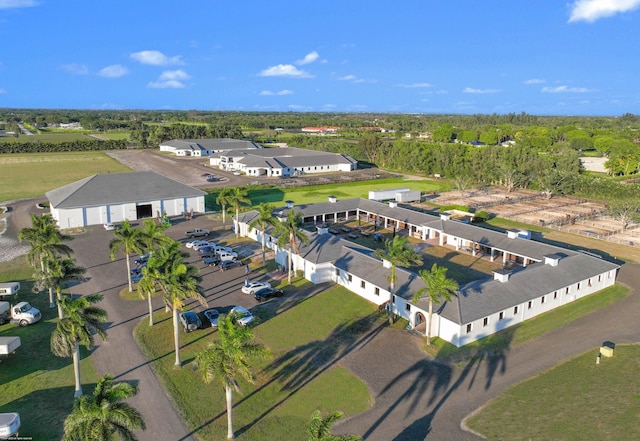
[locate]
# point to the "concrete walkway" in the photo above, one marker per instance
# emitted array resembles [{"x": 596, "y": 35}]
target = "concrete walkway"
[{"x": 416, "y": 399}]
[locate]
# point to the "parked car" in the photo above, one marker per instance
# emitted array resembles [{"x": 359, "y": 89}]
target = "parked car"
[
  {"x": 141, "y": 259},
  {"x": 204, "y": 244},
  {"x": 109, "y": 226},
  {"x": 136, "y": 277},
  {"x": 220, "y": 249},
  {"x": 226, "y": 255},
  {"x": 242, "y": 315},
  {"x": 198, "y": 232},
  {"x": 267, "y": 293},
  {"x": 226, "y": 264},
  {"x": 212, "y": 178},
  {"x": 198, "y": 242},
  {"x": 211, "y": 261},
  {"x": 252, "y": 287},
  {"x": 138, "y": 269},
  {"x": 190, "y": 321},
  {"x": 212, "y": 315}
]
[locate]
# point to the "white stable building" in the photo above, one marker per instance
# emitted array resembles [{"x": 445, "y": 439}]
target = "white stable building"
[
  {"x": 543, "y": 277},
  {"x": 114, "y": 197}
]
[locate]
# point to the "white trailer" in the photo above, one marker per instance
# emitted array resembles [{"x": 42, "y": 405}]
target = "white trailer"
[
  {"x": 9, "y": 424},
  {"x": 408, "y": 196},
  {"x": 9, "y": 288},
  {"x": 385, "y": 195},
  {"x": 8, "y": 345}
]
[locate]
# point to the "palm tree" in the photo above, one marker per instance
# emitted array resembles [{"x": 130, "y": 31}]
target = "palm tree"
[
  {"x": 320, "y": 428},
  {"x": 178, "y": 281},
  {"x": 62, "y": 271},
  {"x": 236, "y": 198},
  {"x": 289, "y": 232},
  {"x": 130, "y": 240},
  {"x": 439, "y": 288},
  {"x": 100, "y": 416},
  {"x": 81, "y": 320},
  {"x": 227, "y": 358},
  {"x": 397, "y": 253},
  {"x": 46, "y": 245},
  {"x": 153, "y": 235},
  {"x": 223, "y": 200},
  {"x": 265, "y": 218}
]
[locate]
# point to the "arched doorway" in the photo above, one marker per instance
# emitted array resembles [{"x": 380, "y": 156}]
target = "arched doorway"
[{"x": 420, "y": 323}]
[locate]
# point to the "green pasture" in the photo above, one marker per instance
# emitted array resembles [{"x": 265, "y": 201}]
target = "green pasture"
[
  {"x": 576, "y": 401},
  {"x": 33, "y": 382},
  {"x": 320, "y": 193},
  {"x": 47, "y": 137},
  {"x": 31, "y": 175},
  {"x": 302, "y": 375}
]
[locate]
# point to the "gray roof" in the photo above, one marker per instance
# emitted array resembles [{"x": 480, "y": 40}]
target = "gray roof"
[
  {"x": 288, "y": 157},
  {"x": 119, "y": 188},
  {"x": 211, "y": 144}
]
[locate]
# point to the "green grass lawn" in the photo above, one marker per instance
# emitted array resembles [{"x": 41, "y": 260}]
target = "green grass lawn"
[
  {"x": 33, "y": 382},
  {"x": 46, "y": 137},
  {"x": 32, "y": 175},
  {"x": 303, "y": 374},
  {"x": 577, "y": 400}
]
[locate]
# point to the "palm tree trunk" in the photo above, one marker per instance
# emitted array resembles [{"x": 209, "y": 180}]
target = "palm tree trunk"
[
  {"x": 429, "y": 324},
  {"x": 263, "y": 245},
  {"x": 229, "y": 395},
  {"x": 76, "y": 369},
  {"x": 224, "y": 216},
  {"x": 392, "y": 285},
  {"x": 129, "y": 272},
  {"x": 237, "y": 223},
  {"x": 60, "y": 313},
  {"x": 150, "y": 309},
  {"x": 52, "y": 302},
  {"x": 176, "y": 336},
  {"x": 290, "y": 259}
]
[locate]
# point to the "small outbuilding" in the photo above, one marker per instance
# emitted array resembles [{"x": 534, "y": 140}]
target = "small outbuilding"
[{"x": 114, "y": 197}]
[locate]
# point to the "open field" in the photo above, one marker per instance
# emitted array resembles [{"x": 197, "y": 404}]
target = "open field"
[
  {"x": 577, "y": 400},
  {"x": 303, "y": 375},
  {"x": 31, "y": 175},
  {"x": 48, "y": 137}
]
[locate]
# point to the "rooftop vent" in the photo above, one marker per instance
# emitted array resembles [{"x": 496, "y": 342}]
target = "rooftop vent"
[
  {"x": 445, "y": 216},
  {"x": 552, "y": 259},
  {"x": 386, "y": 263},
  {"x": 393, "y": 204},
  {"x": 332, "y": 199},
  {"x": 288, "y": 204},
  {"x": 502, "y": 275},
  {"x": 322, "y": 229}
]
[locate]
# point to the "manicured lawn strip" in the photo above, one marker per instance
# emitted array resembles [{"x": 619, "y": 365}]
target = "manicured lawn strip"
[
  {"x": 32, "y": 175},
  {"x": 33, "y": 382},
  {"x": 531, "y": 329},
  {"x": 577, "y": 400},
  {"x": 300, "y": 377}
]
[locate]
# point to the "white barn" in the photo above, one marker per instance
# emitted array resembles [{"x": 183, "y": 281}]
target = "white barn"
[
  {"x": 114, "y": 197},
  {"x": 545, "y": 277},
  {"x": 204, "y": 147}
]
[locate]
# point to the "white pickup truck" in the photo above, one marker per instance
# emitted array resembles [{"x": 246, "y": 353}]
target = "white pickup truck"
[
  {"x": 198, "y": 232},
  {"x": 23, "y": 313}
]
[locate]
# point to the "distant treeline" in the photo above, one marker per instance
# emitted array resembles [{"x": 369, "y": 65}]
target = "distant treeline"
[{"x": 66, "y": 146}]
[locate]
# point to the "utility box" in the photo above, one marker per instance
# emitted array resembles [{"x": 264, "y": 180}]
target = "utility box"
[
  {"x": 9, "y": 288},
  {"x": 606, "y": 351}
]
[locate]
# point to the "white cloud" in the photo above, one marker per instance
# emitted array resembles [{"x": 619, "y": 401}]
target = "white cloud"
[
  {"x": 76, "y": 68},
  {"x": 278, "y": 93},
  {"x": 592, "y": 10},
  {"x": 155, "y": 58},
  {"x": 13, "y": 4},
  {"x": 284, "y": 70},
  {"x": 565, "y": 89},
  {"x": 354, "y": 79},
  {"x": 309, "y": 58},
  {"x": 414, "y": 85},
  {"x": 300, "y": 108},
  {"x": 534, "y": 81},
  {"x": 480, "y": 91},
  {"x": 348, "y": 78},
  {"x": 113, "y": 71},
  {"x": 170, "y": 79}
]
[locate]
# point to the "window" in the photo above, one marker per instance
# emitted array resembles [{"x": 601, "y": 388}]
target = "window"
[
  {"x": 376, "y": 291},
  {"x": 555, "y": 295},
  {"x": 349, "y": 278},
  {"x": 589, "y": 283},
  {"x": 394, "y": 298},
  {"x": 599, "y": 277},
  {"x": 408, "y": 307},
  {"x": 566, "y": 290},
  {"x": 529, "y": 305},
  {"x": 578, "y": 286},
  {"x": 515, "y": 310},
  {"x": 362, "y": 284},
  {"x": 337, "y": 272},
  {"x": 485, "y": 321},
  {"x": 501, "y": 316},
  {"x": 469, "y": 328},
  {"x": 542, "y": 300}
]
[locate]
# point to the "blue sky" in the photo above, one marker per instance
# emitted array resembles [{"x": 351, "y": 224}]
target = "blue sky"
[{"x": 543, "y": 57}]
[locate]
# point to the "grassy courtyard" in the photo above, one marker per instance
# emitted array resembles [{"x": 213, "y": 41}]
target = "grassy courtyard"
[{"x": 302, "y": 375}]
